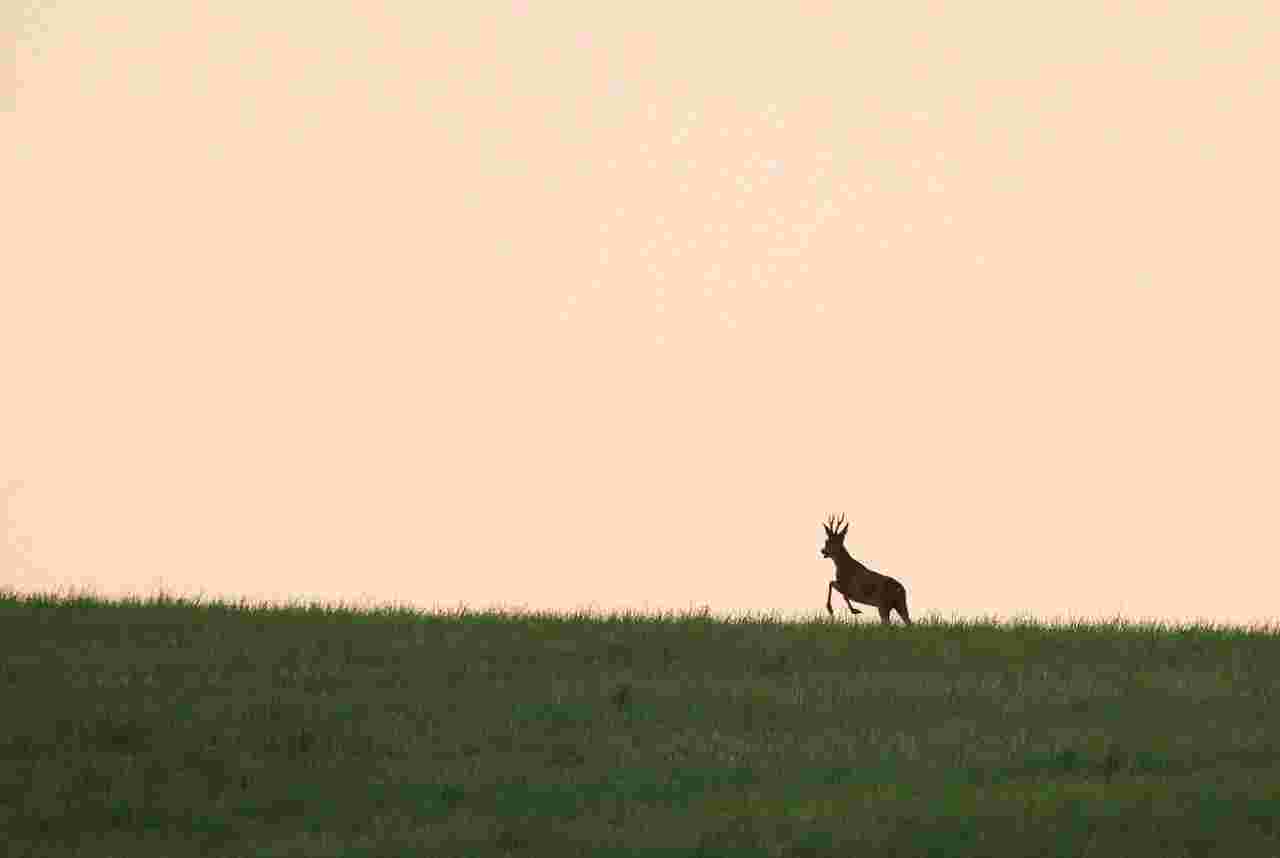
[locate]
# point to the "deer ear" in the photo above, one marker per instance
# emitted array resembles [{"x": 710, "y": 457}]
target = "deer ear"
[{"x": 843, "y": 531}]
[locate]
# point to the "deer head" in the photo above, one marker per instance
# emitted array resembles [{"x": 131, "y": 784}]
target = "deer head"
[{"x": 835, "y": 535}]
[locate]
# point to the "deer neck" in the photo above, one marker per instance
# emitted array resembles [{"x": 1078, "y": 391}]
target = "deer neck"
[{"x": 846, "y": 564}]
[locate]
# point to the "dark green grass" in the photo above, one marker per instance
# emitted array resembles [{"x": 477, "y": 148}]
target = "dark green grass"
[{"x": 171, "y": 727}]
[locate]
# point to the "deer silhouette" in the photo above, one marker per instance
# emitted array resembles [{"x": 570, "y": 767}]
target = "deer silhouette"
[{"x": 857, "y": 583}]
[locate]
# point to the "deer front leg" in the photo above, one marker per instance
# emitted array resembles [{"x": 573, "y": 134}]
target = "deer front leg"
[{"x": 835, "y": 585}]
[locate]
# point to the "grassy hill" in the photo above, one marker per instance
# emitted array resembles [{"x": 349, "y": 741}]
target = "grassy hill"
[{"x": 171, "y": 727}]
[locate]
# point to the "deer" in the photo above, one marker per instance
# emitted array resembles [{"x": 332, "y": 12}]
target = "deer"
[{"x": 856, "y": 582}]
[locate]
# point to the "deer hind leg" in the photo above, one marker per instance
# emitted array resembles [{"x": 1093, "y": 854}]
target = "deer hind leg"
[
  {"x": 884, "y": 614},
  {"x": 900, "y": 603}
]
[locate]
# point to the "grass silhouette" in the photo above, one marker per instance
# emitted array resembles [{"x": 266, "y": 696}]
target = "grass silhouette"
[{"x": 167, "y": 726}]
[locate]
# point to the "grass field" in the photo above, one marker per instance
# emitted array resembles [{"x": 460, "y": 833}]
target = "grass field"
[{"x": 169, "y": 728}]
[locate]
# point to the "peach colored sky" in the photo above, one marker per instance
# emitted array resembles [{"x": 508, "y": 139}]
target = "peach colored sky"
[{"x": 533, "y": 304}]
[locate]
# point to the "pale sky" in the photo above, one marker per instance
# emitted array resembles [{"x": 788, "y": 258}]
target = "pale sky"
[{"x": 544, "y": 306}]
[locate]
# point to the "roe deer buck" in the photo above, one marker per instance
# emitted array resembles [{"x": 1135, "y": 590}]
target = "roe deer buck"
[{"x": 858, "y": 583}]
